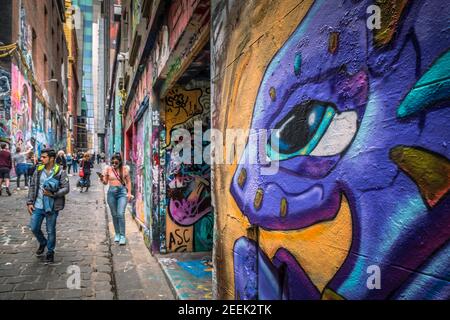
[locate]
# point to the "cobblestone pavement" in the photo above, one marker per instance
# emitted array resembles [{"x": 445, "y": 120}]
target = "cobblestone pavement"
[{"x": 83, "y": 244}]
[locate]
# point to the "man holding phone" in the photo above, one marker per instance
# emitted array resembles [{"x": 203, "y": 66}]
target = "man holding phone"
[{"x": 44, "y": 202}]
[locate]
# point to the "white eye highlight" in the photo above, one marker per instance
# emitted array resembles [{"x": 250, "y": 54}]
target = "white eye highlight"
[{"x": 338, "y": 136}]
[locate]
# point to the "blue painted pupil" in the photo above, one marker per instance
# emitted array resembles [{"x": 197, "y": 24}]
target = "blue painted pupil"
[{"x": 298, "y": 127}]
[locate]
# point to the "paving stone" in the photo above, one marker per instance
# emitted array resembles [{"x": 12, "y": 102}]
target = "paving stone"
[
  {"x": 12, "y": 296},
  {"x": 102, "y": 285},
  {"x": 68, "y": 293},
  {"x": 6, "y": 287},
  {"x": 101, "y": 276},
  {"x": 59, "y": 284},
  {"x": 87, "y": 293},
  {"x": 132, "y": 295},
  {"x": 103, "y": 268},
  {"x": 41, "y": 295},
  {"x": 31, "y": 286},
  {"x": 104, "y": 295},
  {"x": 20, "y": 279}
]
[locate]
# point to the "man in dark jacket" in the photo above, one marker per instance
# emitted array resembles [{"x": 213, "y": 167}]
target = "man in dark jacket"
[
  {"x": 5, "y": 168},
  {"x": 37, "y": 201}
]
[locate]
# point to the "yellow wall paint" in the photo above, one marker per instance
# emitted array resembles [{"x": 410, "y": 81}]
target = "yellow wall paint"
[
  {"x": 320, "y": 249},
  {"x": 178, "y": 238},
  {"x": 249, "y": 48}
]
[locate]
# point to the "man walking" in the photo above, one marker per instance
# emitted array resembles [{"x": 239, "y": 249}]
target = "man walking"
[
  {"x": 5, "y": 168},
  {"x": 46, "y": 197}
]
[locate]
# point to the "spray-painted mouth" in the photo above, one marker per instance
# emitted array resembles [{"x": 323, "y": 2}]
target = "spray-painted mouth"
[{"x": 309, "y": 258}]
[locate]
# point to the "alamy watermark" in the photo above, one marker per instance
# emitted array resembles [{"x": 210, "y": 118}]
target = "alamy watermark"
[
  {"x": 74, "y": 279},
  {"x": 374, "y": 280},
  {"x": 235, "y": 146},
  {"x": 374, "y": 20}
]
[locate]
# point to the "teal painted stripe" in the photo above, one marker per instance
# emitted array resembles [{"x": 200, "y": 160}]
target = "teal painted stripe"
[{"x": 432, "y": 87}]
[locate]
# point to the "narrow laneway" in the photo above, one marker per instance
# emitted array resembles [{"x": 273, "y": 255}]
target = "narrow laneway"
[{"x": 84, "y": 245}]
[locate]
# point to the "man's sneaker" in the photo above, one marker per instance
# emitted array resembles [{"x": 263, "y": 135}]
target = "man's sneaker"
[
  {"x": 122, "y": 240},
  {"x": 50, "y": 258},
  {"x": 18, "y": 189},
  {"x": 40, "y": 250},
  {"x": 117, "y": 238},
  {"x": 26, "y": 188}
]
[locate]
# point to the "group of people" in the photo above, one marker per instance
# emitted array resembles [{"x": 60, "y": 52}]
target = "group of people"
[
  {"x": 47, "y": 181},
  {"x": 50, "y": 185},
  {"x": 80, "y": 163},
  {"x": 25, "y": 162}
]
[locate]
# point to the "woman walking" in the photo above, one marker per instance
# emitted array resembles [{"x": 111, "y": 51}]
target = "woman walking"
[
  {"x": 61, "y": 159},
  {"x": 21, "y": 166},
  {"x": 69, "y": 161},
  {"x": 32, "y": 163},
  {"x": 75, "y": 162},
  {"x": 119, "y": 193},
  {"x": 86, "y": 165}
]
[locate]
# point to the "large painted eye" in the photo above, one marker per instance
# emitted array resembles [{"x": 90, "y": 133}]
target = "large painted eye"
[{"x": 312, "y": 128}]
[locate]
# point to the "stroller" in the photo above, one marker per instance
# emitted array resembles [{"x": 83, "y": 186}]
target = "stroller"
[{"x": 83, "y": 183}]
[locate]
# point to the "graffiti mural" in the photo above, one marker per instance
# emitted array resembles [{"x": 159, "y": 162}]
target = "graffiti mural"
[
  {"x": 139, "y": 163},
  {"x": 189, "y": 219},
  {"x": 21, "y": 125},
  {"x": 5, "y": 106},
  {"x": 147, "y": 177},
  {"x": 363, "y": 180}
]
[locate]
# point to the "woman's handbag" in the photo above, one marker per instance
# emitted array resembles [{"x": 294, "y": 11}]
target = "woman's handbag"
[{"x": 81, "y": 171}]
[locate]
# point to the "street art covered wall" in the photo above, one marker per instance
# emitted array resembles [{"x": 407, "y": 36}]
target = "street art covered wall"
[
  {"x": 358, "y": 207},
  {"x": 22, "y": 113},
  {"x": 189, "y": 218},
  {"x": 21, "y": 121},
  {"x": 5, "y": 105}
]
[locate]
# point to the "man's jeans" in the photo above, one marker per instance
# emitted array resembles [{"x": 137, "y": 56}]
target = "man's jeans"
[
  {"x": 36, "y": 222},
  {"x": 117, "y": 201}
]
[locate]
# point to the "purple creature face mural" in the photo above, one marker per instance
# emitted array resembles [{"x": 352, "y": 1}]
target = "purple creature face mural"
[{"x": 362, "y": 118}]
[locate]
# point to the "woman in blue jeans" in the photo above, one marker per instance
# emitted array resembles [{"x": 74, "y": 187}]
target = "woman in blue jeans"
[{"x": 117, "y": 176}]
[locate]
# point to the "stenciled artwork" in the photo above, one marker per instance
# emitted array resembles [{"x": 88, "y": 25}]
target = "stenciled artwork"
[{"x": 359, "y": 206}]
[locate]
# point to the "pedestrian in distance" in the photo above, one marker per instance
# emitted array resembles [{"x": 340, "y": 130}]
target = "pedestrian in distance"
[
  {"x": 85, "y": 172},
  {"x": 69, "y": 162},
  {"x": 46, "y": 198},
  {"x": 117, "y": 176},
  {"x": 5, "y": 167},
  {"x": 32, "y": 163},
  {"x": 98, "y": 158},
  {"x": 61, "y": 159},
  {"x": 21, "y": 166},
  {"x": 75, "y": 162}
]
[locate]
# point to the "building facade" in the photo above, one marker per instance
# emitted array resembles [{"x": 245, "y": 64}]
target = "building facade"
[
  {"x": 329, "y": 173},
  {"x": 85, "y": 119},
  {"x": 34, "y": 68},
  {"x": 162, "y": 57},
  {"x": 74, "y": 79}
]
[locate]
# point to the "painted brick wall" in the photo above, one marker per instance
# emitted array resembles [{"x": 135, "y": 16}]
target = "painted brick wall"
[{"x": 358, "y": 206}]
